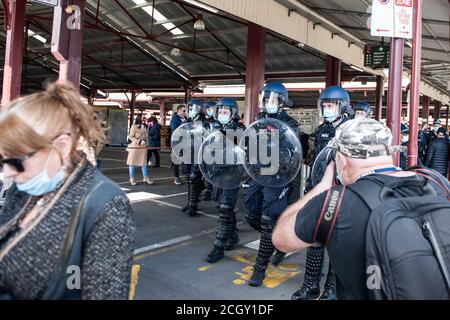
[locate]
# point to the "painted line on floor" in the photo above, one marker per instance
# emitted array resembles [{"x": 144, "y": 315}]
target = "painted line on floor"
[
  {"x": 164, "y": 250},
  {"x": 171, "y": 242},
  {"x": 146, "y": 251},
  {"x": 179, "y": 207},
  {"x": 137, "y": 197}
]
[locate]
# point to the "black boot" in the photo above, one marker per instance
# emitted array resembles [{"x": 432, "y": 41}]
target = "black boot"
[
  {"x": 265, "y": 251},
  {"x": 257, "y": 278},
  {"x": 329, "y": 290},
  {"x": 311, "y": 283},
  {"x": 215, "y": 255},
  {"x": 186, "y": 207},
  {"x": 278, "y": 257}
]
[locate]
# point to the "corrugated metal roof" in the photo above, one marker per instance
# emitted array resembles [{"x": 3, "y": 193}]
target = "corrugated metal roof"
[{"x": 118, "y": 61}]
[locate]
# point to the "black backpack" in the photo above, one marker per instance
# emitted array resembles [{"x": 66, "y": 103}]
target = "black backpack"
[{"x": 407, "y": 237}]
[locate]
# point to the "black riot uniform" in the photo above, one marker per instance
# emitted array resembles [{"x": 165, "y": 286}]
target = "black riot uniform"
[
  {"x": 213, "y": 124},
  {"x": 193, "y": 175},
  {"x": 227, "y": 233},
  {"x": 264, "y": 206}
]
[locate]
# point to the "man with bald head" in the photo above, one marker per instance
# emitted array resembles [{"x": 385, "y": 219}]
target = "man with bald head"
[{"x": 363, "y": 158}]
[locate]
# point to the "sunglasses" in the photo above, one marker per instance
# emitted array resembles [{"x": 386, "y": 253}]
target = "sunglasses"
[{"x": 17, "y": 163}]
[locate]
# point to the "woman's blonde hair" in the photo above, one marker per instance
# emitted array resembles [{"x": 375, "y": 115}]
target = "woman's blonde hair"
[{"x": 32, "y": 122}]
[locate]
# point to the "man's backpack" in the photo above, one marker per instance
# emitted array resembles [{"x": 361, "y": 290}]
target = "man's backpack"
[{"x": 407, "y": 237}]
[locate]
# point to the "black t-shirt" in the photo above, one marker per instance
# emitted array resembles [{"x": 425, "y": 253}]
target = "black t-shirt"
[{"x": 347, "y": 243}]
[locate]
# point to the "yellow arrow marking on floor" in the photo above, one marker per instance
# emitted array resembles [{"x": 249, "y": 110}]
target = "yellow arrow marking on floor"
[
  {"x": 134, "y": 280},
  {"x": 274, "y": 275}
]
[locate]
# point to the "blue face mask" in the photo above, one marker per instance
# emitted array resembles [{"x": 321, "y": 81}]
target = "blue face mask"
[
  {"x": 271, "y": 108},
  {"x": 41, "y": 183},
  {"x": 329, "y": 115},
  {"x": 210, "y": 113},
  {"x": 223, "y": 119}
]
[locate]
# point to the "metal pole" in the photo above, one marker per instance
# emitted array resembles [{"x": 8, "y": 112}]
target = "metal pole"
[
  {"x": 437, "y": 110},
  {"x": 132, "y": 103},
  {"x": 379, "y": 90},
  {"x": 67, "y": 39},
  {"x": 12, "y": 72},
  {"x": 333, "y": 67},
  {"x": 414, "y": 85},
  {"x": 394, "y": 106},
  {"x": 255, "y": 70},
  {"x": 446, "y": 119},
  {"x": 425, "y": 109}
]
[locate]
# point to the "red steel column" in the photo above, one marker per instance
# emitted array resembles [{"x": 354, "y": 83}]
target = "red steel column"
[
  {"x": 187, "y": 95},
  {"x": 12, "y": 72},
  {"x": 255, "y": 70},
  {"x": 333, "y": 67},
  {"x": 446, "y": 120},
  {"x": 379, "y": 90},
  {"x": 413, "y": 148},
  {"x": 394, "y": 105},
  {"x": 437, "y": 109},
  {"x": 132, "y": 103},
  {"x": 67, "y": 39},
  {"x": 425, "y": 109}
]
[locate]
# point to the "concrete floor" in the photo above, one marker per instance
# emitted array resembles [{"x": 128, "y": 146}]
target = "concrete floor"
[{"x": 170, "y": 247}]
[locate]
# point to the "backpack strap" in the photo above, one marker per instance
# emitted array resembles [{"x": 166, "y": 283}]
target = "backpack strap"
[
  {"x": 435, "y": 177},
  {"x": 330, "y": 211}
]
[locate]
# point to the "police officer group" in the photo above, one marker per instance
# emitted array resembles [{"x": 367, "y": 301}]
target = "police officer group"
[{"x": 264, "y": 203}]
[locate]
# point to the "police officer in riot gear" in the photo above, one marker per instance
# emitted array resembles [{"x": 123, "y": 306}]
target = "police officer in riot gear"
[
  {"x": 195, "y": 109},
  {"x": 213, "y": 124},
  {"x": 264, "y": 204},
  {"x": 227, "y": 233},
  {"x": 362, "y": 110},
  {"x": 404, "y": 132},
  {"x": 334, "y": 108}
]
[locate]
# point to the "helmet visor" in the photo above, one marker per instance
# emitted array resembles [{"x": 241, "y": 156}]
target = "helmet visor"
[
  {"x": 330, "y": 109},
  {"x": 270, "y": 101}
]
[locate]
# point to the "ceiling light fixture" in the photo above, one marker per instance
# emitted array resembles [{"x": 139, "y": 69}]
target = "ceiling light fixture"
[
  {"x": 199, "y": 24},
  {"x": 175, "y": 52}
]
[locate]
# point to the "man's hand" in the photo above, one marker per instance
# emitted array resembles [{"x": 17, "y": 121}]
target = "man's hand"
[{"x": 329, "y": 176}]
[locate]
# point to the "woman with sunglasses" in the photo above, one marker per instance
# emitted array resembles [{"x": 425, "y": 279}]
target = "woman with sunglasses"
[{"x": 66, "y": 231}]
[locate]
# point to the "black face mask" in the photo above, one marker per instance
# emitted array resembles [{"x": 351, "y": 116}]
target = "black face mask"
[{"x": 137, "y": 121}]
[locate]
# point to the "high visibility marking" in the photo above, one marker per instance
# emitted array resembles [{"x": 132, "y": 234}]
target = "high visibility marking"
[
  {"x": 134, "y": 280},
  {"x": 275, "y": 276}
]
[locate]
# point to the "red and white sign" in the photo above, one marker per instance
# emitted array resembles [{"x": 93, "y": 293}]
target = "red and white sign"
[
  {"x": 392, "y": 18},
  {"x": 403, "y": 15}
]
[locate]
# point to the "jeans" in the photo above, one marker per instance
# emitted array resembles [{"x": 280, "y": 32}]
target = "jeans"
[{"x": 144, "y": 171}]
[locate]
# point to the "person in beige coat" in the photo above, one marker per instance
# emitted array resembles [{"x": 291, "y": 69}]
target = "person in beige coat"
[{"x": 137, "y": 150}]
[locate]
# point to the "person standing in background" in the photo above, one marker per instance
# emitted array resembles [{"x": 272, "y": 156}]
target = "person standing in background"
[
  {"x": 154, "y": 140},
  {"x": 175, "y": 122},
  {"x": 137, "y": 150}
]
